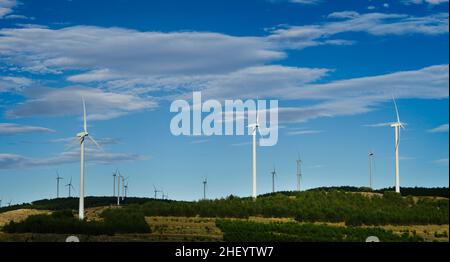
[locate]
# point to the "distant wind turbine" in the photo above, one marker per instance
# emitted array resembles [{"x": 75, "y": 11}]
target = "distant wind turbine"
[
  {"x": 299, "y": 172},
  {"x": 81, "y": 137},
  {"x": 371, "y": 156},
  {"x": 119, "y": 176},
  {"x": 205, "y": 182},
  {"x": 114, "y": 183},
  {"x": 124, "y": 186},
  {"x": 57, "y": 183},
  {"x": 70, "y": 186},
  {"x": 397, "y": 125},
  {"x": 156, "y": 191},
  {"x": 274, "y": 173},
  {"x": 126, "y": 189}
]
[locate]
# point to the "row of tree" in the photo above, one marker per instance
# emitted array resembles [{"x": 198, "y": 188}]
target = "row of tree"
[
  {"x": 246, "y": 231},
  {"x": 312, "y": 206},
  {"x": 64, "y": 222}
]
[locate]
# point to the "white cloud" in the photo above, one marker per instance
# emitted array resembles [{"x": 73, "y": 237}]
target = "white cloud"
[
  {"x": 10, "y": 83},
  {"x": 440, "y": 129},
  {"x": 419, "y": 2},
  {"x": 14, "y": 161},
  {"x": 303, "y": 2},
  {"x": 306, "y": 2},
  {"x": 361, "y": 95},
  {"x": 378, "y": 24},
  {"x": 264, "y": 81},
  {"x": 303, "y": 132},
  {"x": 13, "y": 129},
  {"x": 101, "y": 104},
  {"x": 135, "y": 53},
  {"x": 442, "y": 161},
  {"x": 6, "y": 7}
]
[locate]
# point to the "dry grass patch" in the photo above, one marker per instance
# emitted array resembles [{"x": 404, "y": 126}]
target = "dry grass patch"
[{"x": 19, "y": 215}]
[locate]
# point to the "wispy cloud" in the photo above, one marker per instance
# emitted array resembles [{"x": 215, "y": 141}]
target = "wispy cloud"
[
  {"x": 67, "y": 101},
  {"x": 241, "y": 144},
  {"x": 303, "y": 2},
  {"x": 14, "y": 129},
  {"x": 105, "y": 53},
  {"x": 440, "y": 129},
  {"x": 379, "y": 24},
  {"x": 13, "y": 161},
  {"x": 199, "y": 141},
  {"x": 419, "y": 2},
  {"x": 11, "y": 83},
  {"x": 378, "y": 125},
  {"x": 442, "y": 161},
  {"x": 303, "y": 132},
  {"x": 6, "y": 7}
]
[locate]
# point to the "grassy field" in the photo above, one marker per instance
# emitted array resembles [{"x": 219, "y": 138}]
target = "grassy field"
[
  {"x": 185, "y": 229},
  {"x": 19, "y": 215}
]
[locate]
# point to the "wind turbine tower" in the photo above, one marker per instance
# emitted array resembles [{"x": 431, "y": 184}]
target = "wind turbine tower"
[
  {"x": 81, "y": 137},
  {"x": 114, "y": 183},
  {"x": 299, "y": 172},
  {"x": 57, "y": 183},
  {"x": 255, "y": 128},
  {"x": 70, "y": 186},
  {"x": 118, "y": 188},
  {"x": 371, "y": 167},
  {"x": 274, "y": 173},
  {"x": 397, "y": 125},
  {"x": 205, "y": 182}
]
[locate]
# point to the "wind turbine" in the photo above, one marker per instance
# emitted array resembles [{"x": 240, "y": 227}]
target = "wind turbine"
[
  {"x": 255, "y": 128},
  {"x": 119, "y": 176},
  {"x": 81, "y": 137},
  {"x": 57, "y": 183},
  {"x": 9, "y": 203},
  {"x": 114, "y": 184},
  {"x": 299, "y": 172},
  {"x": 274, "y": 173},
  {"x": 70, "y": 186},
  {"x": 1, "y": 202},
  {"x": 371, "y": 156},
  {"x": 156, "y": 191},
  {"x": 397, "y": 125},
  {"x": 124, "y": 194},
  {"x": 126, "y": 189},
  {"x": 205, "y": 181}
]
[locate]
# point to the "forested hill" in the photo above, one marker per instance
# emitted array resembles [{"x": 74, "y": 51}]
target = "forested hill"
[
  {"x": 354, "y": 206},
  {"x": 405, "y": 191}
]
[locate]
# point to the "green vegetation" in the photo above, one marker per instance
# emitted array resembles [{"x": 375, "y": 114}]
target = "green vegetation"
[
  {"x": 354, "y": 206},
  {"x": 245, "y": 231},
  {"x": 63, "y": 222},
  {"x": 313, "y": 206}
]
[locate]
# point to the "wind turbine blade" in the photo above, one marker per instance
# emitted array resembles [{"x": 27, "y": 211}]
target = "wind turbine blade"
[
  {"x": 396, "y": 110},
  {"x": 95, "y": 142},
  {"x": 84, "y": 116}
]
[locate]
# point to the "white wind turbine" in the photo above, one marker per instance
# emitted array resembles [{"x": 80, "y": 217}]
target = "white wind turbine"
[
  {"x": 81, "y": 137},
  {"x": 57, "y": 183},
  {"x": 70, "y": 186},
  {"x": 255, "y": 128},
  {"x": 274, "y": 174},
  {"x": 397, "y": 125}
]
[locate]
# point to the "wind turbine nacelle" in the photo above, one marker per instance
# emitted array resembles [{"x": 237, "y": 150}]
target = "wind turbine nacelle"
[{"x": 82, "y": 134}]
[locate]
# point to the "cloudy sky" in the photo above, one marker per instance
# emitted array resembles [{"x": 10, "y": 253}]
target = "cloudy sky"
[{"x": 333, "y": 65}]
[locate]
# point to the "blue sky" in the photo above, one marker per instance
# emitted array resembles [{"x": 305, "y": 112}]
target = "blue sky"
[{"x": 333, "y": 66}]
